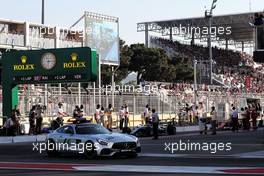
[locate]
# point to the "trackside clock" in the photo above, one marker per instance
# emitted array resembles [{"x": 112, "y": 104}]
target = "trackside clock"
[{"x": 48, "y": 61}]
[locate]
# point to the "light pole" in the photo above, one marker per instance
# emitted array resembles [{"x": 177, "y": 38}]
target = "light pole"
[
  {"x": 43, "y": 12},
  {"x": 113, "y": 84},
  {"x": 209, "y": 16},
  {"x": 195, "y": 80}
]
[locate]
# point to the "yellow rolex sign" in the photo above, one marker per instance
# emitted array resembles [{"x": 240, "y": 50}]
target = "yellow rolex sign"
[
  {"x": 74, "y": 63},
  {"x": 24, "y": 66}
]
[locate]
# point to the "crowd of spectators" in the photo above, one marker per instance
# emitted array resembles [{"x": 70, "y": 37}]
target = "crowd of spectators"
[
  {"x": 259, "y": 19},
  {"x": 235, "y": 70}
]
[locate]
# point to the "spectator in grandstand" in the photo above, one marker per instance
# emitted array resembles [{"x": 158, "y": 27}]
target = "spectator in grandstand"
[
  {"x": 109, "y": 111},
  {"x": 155, "y": 124},
  {"x": 39, "y": 119},
  {"x": 202, "y": 119},
  {"x": 258, "y": 19},
  {"x": 234, "y": 119},
  {"x": 97, "y": 114},
  {"x": 213, "y": 114},
  {"x": 32, "y": 120},
  {"x": 233, "y": 67},
  {"x": 121, "y": 115}
]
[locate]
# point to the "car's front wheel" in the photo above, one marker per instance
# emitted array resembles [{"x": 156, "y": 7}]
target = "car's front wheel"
[
  {"x": 132, "y": 155},
  {"x": 90, "y": 151}
]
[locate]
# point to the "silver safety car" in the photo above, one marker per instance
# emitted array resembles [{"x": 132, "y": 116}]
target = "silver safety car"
[{"x": 91, "y": 140}]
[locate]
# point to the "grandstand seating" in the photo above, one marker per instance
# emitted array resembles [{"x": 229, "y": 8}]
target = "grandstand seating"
[{"x": 231, "y": 68}]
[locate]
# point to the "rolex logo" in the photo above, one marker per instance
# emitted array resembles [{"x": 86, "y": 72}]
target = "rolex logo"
[
  {"x": 74, "y": 57},
  {"x": 74, "y": 63},
  {"x": 24, "y": 59},
  {"x": 24, "y": 66}
]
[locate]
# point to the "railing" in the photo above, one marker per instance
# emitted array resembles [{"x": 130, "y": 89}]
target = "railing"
[
  {"x": 11, "y": 39},
  {"x": 220, "y": 80},
  {"x": 41, "y": 42},
  {"x": 67, "y": 44}
]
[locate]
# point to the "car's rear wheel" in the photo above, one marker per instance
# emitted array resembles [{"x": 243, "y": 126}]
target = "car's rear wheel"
[
  {"x": 90, "y": 151},
  {"x": 51, "y": 148}
]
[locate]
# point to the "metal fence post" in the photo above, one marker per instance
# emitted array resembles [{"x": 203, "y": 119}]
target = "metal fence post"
[
  {"x": 134, "y": 109},
  {"x": 162, "y": 106},
  {"x": 94, "y": 103},
  {"x": 79, "y": 94},
  {"x": 159, "y": 99}
]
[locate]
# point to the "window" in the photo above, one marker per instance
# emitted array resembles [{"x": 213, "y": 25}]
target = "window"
[{"x": 65, "y": 129}]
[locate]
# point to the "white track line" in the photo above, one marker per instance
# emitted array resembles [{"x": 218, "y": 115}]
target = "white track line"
[
  {"x": 166, "y": 169},
  {"x": 132, "y": 168}
]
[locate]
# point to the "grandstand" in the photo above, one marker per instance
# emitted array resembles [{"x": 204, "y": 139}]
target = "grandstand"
[
  {"x": 20, "y": 35},
  {"x": 242, "y": 35},
  {"x": 230, "y": 66}
]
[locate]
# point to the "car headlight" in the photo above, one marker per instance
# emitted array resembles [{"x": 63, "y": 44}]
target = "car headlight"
[
  {"x": 102, "y": 141},
  {"x": 138, "y": 143}
]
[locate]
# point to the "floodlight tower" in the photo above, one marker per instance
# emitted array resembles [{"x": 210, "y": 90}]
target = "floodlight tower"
[
  {"x": 209, "y": 15},
  {"x": 42, "y": 12}
]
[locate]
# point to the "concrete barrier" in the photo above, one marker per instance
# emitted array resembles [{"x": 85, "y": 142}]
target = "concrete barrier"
[
  {"x": 6, "y": 140},
  {"x": 40, "y": 138},
  {"x": 187, "y": 129},
  {"x": 18, "y": 139}
]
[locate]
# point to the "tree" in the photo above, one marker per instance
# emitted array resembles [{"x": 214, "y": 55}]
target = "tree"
[
  {"x": 151, "y": 64},
  {"x": 184, "y": 72}
]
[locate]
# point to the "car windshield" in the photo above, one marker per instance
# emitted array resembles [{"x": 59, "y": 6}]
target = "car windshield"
[{"x": 91, "y": 129}]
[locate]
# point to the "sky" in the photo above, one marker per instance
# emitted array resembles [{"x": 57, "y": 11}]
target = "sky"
[{"x": 64, "y": 13}]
